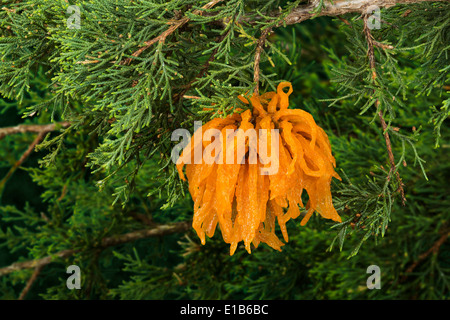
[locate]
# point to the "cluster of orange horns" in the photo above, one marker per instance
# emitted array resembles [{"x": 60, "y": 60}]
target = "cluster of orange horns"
[{"x": 242, "y": 196}]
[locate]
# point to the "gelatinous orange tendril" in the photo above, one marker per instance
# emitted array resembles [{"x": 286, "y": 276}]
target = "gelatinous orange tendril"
[{"x": 237, "y": 197}]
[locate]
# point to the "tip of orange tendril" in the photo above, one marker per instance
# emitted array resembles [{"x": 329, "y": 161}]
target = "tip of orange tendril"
[{"x": 237, "y": 196}]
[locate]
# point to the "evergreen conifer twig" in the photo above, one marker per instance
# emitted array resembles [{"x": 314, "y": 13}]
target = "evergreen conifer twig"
[
  {"x": 162, "y": 37},
  {"x": 158, "y": 231},
  {"x": 371, "y": 55}
]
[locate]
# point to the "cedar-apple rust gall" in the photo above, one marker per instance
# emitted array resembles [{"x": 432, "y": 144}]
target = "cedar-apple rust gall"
[
  {"x": 249, "y": 169},
  {"x": 229, "y": 146}
]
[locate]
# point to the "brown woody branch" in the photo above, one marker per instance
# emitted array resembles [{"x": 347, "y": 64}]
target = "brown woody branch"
[
  {"x": 341, "y": 7},
  {"x": 36, "y": 263},
  {"x": 259, "y": 48},
  {"x": 160, "y": 230},
  {"x": 34, "y": 128}
]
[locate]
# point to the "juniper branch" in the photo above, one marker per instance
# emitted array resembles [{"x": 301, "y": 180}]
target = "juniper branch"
[
  {"x": 371, "y": 55},
  {"x": 160, "y": 230},
  {"x": 36, "y": 263},
  {"x": 259, "y": 48},
  {"x": 35, "y": 128},
  {"x": 162, "y": 37}
]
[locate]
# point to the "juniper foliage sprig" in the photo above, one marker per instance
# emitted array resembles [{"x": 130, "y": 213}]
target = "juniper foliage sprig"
[{"x": 384, "y": 91}]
